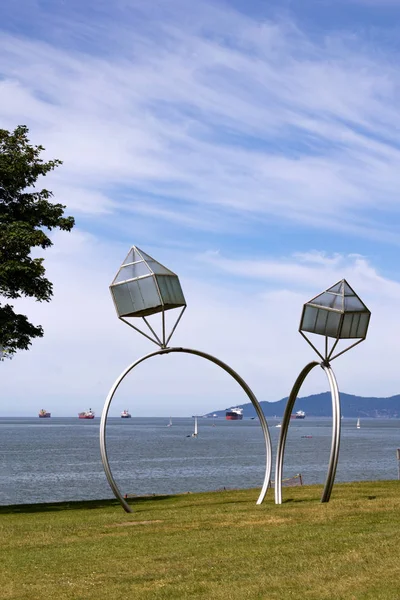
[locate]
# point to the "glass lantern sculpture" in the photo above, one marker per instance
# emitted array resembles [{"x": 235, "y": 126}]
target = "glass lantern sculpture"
[
  {"x": 336, "y": 314},
  {"x": 339, "y": 314},
  {"x": 144, "y": 287}
]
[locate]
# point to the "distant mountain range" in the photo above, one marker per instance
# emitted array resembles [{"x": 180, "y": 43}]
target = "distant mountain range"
[{"x": 320, "y": 405}]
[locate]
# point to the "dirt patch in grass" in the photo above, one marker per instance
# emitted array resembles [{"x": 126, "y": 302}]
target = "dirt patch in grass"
[
  {"x": 252, "y": 523},
  {"x": 132, "y": 523}
]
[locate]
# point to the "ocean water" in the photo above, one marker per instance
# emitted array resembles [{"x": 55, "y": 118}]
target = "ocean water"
[{"x": 58, "y": 459}]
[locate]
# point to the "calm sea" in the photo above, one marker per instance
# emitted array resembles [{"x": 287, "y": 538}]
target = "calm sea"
[{"x": 46, "y": 460}]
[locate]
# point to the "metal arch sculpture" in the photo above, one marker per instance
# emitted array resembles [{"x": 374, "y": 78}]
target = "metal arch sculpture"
[
  {"x": 143, "y": 287},
  {"x": 216, "y": 361},
  {"x": 334, "y": 455},
  {"x": 337, "y": 313}
]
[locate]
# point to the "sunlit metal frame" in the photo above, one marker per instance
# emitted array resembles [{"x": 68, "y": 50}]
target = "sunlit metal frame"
[
  {"x": 335, "y": 444},
  {"x": 329, "y": 352},
  {"x": 161, "y": 341},
  {"x": 327, "y": 358},
  {"x": 216, "y": 361}
]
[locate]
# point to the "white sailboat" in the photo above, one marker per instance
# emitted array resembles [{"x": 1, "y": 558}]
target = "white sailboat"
[
  {"x": 358, "y": 424},
  {"x": 194, "y": 434},
  {"x": 170, "y": 422}
]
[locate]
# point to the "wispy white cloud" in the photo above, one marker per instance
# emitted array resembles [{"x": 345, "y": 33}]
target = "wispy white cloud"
[
  {"x": 258, "y": 121},
  {"x": 303, "y": 270},
  {"x": 214, "y": 122},
  {"x": 249, "y": 321}
]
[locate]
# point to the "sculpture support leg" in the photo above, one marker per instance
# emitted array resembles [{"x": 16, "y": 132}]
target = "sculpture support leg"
[
  {"x": 225, "y": 367},
  {"x": 284, "y": 429},
  {"x": 334, "y": 455},
  {"x": 336, "y": 424}
]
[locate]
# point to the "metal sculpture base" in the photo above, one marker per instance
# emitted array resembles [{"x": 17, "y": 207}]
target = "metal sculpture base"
[
  {"x": 334, "y": 456},
  {"x": 225, "y": 367}
]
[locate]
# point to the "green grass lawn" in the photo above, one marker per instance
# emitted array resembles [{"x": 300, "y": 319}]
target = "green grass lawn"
[{"x": 215, "y": 545}]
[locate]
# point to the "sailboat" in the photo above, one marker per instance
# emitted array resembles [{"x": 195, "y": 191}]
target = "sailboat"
[
  {"x": 358, "y": 424},
  {"x": 170, "y": 422},
  {"x": 194, "y": 434}
]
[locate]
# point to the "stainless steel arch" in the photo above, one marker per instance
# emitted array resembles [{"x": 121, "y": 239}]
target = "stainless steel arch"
[
  {"x": 334, "y": 455},
  {"x": 225, "y": 367}
]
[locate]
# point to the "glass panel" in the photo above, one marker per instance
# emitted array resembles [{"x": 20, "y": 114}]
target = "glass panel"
[
  {"x": 333, "y": 324},
  {"x": 154, "y": 265},
  {"x": 122, "y": 299},
  {"x": 354, "y": 326},
  {"x": 337, "y": 288},
  {"x": 337, "y": 302},
  {"x": 148, "y": 291},
  {"x": 171, "y": 291},
  {"x": 144, "y": 256},
  {"x": 322, "y": 299},
  {"x": 363, "y": 325},
  {"x": 321, "y": 321},
  {"x": 157, "y": 268},
  {"x": 309, "y": 318},
  {"x": 353, "y": 303},
  {"x": 131, "y": 272},
  {"x": 132, "y": 256},
  {"x": 329, "y": 301},
  {"x": 136, "y": 296},
  {"x": 346, "y": 327},
  {"x": 347, "y": 290}
]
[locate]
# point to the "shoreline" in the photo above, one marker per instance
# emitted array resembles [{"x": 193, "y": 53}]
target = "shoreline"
[{"x": 107, "y": 502}]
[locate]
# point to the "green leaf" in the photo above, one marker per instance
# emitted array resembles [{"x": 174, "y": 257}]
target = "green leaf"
[{"x": 26, "y": 217}]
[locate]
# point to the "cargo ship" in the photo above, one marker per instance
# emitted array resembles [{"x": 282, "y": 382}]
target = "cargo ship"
[
  {"x": 88, "y": 414},
  {"x": 300, "y": 414},
  {"x": 126, "y": 414},
  {"x": 234, "y": 414},
  {"x": 43, "y": 414}
]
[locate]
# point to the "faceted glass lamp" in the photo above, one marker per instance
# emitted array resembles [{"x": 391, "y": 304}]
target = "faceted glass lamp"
[
  {"x": 144, "y": 287},
  {"x": 337, "y": 313}
]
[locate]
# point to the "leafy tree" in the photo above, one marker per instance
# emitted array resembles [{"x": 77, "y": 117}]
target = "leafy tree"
[{"x": 26, "y": 217}]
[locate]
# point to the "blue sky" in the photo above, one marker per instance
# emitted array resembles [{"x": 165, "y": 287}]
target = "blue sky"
[{"x": 252, "y": 147}]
